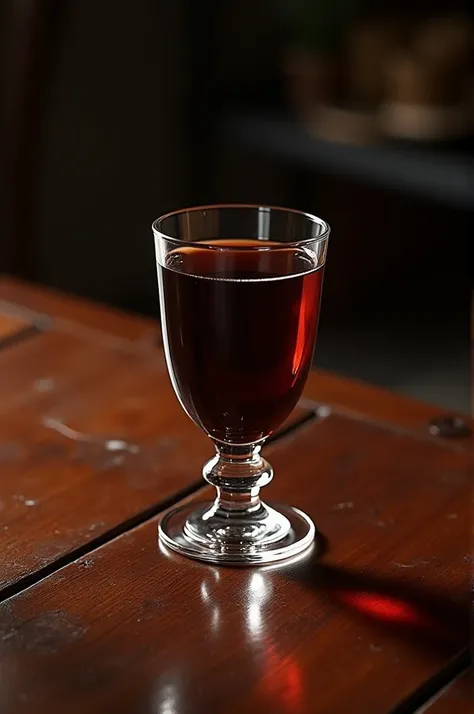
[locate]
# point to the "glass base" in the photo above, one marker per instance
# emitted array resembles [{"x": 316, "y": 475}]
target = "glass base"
[{"x": 203, "y": 534}]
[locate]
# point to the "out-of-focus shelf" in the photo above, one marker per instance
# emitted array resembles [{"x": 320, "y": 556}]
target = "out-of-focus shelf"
[{"x": 443, "y": 176}]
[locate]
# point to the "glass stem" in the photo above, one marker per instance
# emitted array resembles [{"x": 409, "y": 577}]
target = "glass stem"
[
  {"x": 237, "y": 518},
  {"x": 238, "y": 472}
]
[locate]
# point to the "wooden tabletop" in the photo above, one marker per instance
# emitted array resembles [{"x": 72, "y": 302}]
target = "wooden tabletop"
[
  {"x": 456, "y": 698},
  {"x": 96, "y": 617}
]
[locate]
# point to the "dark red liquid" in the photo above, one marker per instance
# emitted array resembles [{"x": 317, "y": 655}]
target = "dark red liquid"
[{"x": 239, "y": 329}]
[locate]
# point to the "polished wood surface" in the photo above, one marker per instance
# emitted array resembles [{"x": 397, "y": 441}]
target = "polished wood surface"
[
  {"x": 131, "y": 628},
  {"x": 95, "y": 617},
  {"x": 11, "y": 325},
  {"x": 91, "y": 436},
  {"x": 95, "y": 439},
  {"x": 361, "y": 400},
  {"x": 70, "y": 314},
  {"x": 457, "y": 698}
]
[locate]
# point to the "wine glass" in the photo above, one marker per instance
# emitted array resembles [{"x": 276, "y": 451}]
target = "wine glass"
[{"x": 240, "y": 290}]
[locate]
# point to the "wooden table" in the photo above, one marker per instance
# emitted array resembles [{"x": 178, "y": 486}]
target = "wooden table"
[{"x": 95, "y": 617}]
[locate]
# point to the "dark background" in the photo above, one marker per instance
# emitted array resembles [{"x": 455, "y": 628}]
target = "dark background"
[{"x": 114, "y": 112}]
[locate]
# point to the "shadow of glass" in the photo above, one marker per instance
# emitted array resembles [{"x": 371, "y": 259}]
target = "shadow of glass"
[{"x": 428, "y": 619}]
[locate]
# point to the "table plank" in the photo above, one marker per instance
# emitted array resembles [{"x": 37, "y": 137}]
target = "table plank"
[
  {"x": 51, "y": 362},
  {"x": 73, "y": 314},
  {"x": 90, "y": 437},
  {"x": 457, "y": 698},
  {"x": 133, "y": 628},
  {"x": 358, "y": 399},
  {"x": 11, "y": 325}
]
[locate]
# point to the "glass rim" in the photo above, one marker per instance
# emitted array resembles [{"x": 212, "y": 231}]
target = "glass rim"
[{"x": 315, "y": 220}]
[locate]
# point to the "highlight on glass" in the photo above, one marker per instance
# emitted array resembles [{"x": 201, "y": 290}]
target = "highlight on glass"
[{"x": 240, "y": 291}]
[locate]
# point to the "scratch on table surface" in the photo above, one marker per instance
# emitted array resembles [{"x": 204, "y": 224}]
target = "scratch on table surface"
[
  {"x": 46, "y": 384},
  {"x": 85, "y": 564},
  {"x": 109, "y": 444},
  {"x": 94, "y": 526},
  {"x": 26, "y": 501},
  {"x": 414, "y": 563},
  {"x": 343, "y": 505},
  {"x": 74, "y": 532},
  {"x": 48, "y": 551},
  {"x": 375, "y": 648},
  {"x": 119, "y": 445},
  {"x": 64, "y": 430},
  {"x": 380, "y": 523}
]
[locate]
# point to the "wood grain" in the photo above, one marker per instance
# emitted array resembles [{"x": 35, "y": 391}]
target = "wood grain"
[
  {"x": 90, "y": 437},
  {"x": 458, "y": 698},
  {"x": 71, "y": 314},
  {"x": 52, "y": 361},
  {"x": 132, "y": 628}
]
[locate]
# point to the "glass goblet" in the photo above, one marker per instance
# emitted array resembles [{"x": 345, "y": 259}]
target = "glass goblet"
[{"x": 240, "y": 290}]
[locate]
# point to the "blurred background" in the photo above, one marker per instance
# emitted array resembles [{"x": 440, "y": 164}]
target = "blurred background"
[{"x": 114, "y": 112}]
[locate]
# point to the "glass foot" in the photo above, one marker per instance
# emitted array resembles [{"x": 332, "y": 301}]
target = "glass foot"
[{"x": 267, "y": 536}]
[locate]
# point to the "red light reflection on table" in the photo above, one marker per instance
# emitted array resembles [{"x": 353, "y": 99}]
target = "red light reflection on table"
[
  {"x": 388, "y": 609},
  {"x": 282, "y": 680}
]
